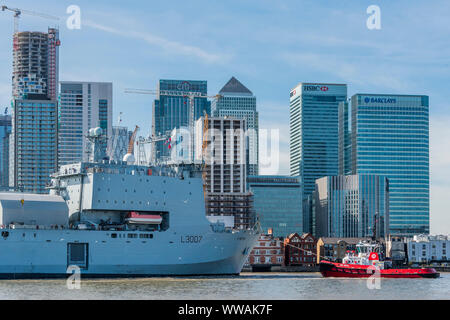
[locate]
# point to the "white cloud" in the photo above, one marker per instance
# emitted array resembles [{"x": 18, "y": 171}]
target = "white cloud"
[{"x": 168, "y": 45}]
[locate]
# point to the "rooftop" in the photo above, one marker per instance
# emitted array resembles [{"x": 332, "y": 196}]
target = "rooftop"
[{"x": 235, "y": 86}]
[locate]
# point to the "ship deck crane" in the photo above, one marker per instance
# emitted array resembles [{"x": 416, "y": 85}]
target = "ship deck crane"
[
  {"x": 191, "y": 95},
  {"x": 129, "y": 157},
  {"x": 18, "y": 12}
]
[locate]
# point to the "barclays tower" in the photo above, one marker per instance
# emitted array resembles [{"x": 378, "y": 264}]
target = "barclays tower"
[{"x": 390, "y": 137}]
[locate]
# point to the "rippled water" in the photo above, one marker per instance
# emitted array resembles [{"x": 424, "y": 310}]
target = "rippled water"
[{"x": 245, "y": 286}]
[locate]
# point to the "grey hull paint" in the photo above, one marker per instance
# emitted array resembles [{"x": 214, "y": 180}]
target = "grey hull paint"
[{"x": 46, "y": 256}]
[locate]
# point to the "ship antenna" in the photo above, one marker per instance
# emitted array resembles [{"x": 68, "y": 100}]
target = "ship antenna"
[{"x": 97, "y": 139}]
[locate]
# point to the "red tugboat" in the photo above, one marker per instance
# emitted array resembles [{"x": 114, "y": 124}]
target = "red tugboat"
[{"x": 366, "y": 262}]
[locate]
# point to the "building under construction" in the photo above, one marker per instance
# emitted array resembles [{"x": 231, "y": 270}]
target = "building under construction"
[
  {"x": 34, "y": 138},
  {"x": 35, "y": 64},
  {"x": 223, "y": 143}
]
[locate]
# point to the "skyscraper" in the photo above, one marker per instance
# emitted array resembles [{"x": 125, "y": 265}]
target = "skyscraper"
[
  {"x": 353, "y": 206},
  {"x": 278, "y": 203},
  {"x": 34, "y": 137},
  {"x": 36, "y": 64},
  {"x": 82, "y": 106},
  {"x": 170, "y": 112},
  {"x": 390, "y": 137},
  {"x": 345, "y": 144},
  {"x": 314, "y": 136},
  {"x": 221, "y": 145},
  {"x": 5, "y": 131},
  {"x": 239, "y": 102}
]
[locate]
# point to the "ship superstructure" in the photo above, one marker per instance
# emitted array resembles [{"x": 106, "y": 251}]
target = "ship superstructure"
[{"x": 122, "y": 219}]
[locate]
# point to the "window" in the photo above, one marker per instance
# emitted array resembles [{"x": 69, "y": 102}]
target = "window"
[
  {"x": 132, "y": 235},
  {"x": 77, "y": 254}
]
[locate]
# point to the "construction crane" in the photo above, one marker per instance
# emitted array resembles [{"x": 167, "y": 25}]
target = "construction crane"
[
  {"x": 129, "y": 157},
  {"x": 18, "y": 12},
  {"x": 191, "y": 95},
  {"x": 141, "y": 142}
]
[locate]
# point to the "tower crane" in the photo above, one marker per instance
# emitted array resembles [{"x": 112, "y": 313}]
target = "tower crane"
[
  {"x": 18, "y": 12},
  {"x": 191, "y": 95}
]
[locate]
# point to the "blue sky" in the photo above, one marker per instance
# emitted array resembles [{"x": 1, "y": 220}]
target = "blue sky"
[{"x": 269, "y": 46}]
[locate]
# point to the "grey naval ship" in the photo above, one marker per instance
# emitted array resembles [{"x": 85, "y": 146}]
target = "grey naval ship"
[{"x": 117, "y": 219}]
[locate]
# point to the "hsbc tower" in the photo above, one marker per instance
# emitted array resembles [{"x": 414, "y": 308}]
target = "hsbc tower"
[{"x": 313, "y": 124}]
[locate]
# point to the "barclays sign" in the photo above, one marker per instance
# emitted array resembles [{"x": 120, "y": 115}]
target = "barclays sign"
[{"x": 379, "y": 100}]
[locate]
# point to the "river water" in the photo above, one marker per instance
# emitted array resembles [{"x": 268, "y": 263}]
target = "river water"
[{"x": 271, "y": 286}]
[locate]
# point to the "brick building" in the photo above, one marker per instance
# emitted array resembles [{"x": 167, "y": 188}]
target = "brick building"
[
  {"x": 268, "y": 252},
  {"x": 300, "y": 250}
]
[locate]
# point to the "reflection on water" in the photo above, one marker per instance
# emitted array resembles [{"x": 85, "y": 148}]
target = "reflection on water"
[{"x": 245, "y": 286}]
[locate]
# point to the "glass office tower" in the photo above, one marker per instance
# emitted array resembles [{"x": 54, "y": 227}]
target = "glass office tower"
[
  {"x": 390, "y": 137},
  {"x": 314, "y": 135},
  {"x": 34, "y": 152},
  {"x": 352, "y": 206},
  {"x": 345, "y": 145},
  {"x": 5, "y": 131},
  {"x": 277, "y": 203},
  {"x": 82, "y": 106},
  {"x": 170, "y": 112}
]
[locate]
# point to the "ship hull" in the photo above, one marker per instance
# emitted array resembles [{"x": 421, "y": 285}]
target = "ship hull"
[
  {"x": 340, "y": 270},
  {"x": 46, "y": 254}
]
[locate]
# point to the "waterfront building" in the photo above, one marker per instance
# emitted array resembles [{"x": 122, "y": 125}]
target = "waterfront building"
[
  {"x": 277, "y": 203},
  {"x": 334, "y": 249},
  {"x": 171, "y": 111},
  {"x": 239, "y": 102},
  {"x": 396, "y": 250},
  {"x": 300, "y": 250},
  {"x": 352, "y": 206},
  {"x": 220, "y": 146},
  {"x": 33, "y": 141},
  {"x": 314, "y": 134},
  {"x": 5, "y": 131},
  {"x": 82, "y": 106},
  {"x": 390, "y": 137},
  {"x": 267, "y": 253},
  {"x": 427, "y": 249},
  {"x": 118, "y": 143}
]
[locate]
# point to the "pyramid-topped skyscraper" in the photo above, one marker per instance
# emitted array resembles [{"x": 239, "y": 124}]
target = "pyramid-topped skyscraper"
[{"x": 239, "y": 102}]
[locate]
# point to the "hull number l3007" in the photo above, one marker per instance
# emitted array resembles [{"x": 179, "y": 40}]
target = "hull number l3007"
[{"x": 191, "y": 239}]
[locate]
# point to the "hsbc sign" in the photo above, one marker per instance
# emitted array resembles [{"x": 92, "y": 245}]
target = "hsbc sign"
[
  {"x": 315, "y": 88},
  {"x": 318, "y": 89}
]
